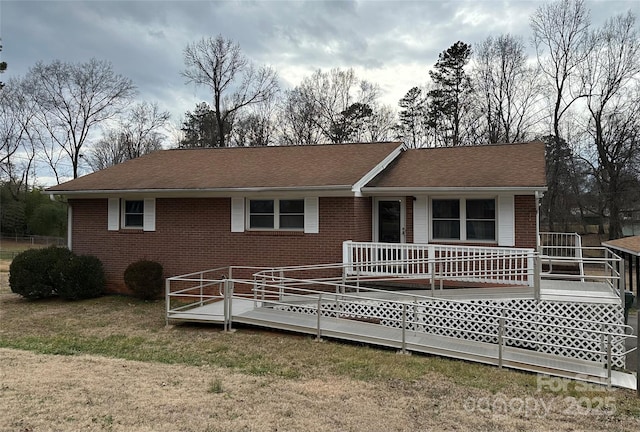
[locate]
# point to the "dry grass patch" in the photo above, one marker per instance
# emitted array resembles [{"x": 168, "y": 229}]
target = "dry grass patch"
[{"x": 111, "y": 364}]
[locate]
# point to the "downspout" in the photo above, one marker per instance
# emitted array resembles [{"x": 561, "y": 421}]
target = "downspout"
[
  {"x": 537, "y": 270},
  {"x": 69, "y": 221},
  {"x": 69, "y": 226}
]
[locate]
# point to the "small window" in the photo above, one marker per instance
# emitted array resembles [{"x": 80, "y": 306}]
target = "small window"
[
  {"x": 276, "y": 214},
  {"x": 133, "y": 214}
]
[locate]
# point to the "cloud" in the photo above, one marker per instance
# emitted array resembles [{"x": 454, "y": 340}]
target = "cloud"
[{"x": 392, "y": 43}]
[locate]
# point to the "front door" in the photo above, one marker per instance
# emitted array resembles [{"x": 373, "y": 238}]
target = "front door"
[{"x": 390, "y": 220}]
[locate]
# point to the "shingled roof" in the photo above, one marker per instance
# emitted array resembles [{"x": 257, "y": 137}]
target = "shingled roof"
[
  {"x": 487, "y": 166},
  {"x": 330, "y": 166}
]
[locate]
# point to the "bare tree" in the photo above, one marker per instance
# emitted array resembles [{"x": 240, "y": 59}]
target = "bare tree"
[
  {"x": 334, "y": 105},
  {"x": 298, "y": 119},
  {"x": 139, "y": 132},
  {"x": 17, "y": 133},
  {"x": 611, "y": 91},
  {"x": 257, "y": 127},
  {"x": 562, "y": 40},
  {"x": 381, "y": 125},
  {"x": 506, "y": 90},
  {"x": 72, "y": 99},
  {"x": 235, "y": 82},
  {"x": 109, "y": 150}
]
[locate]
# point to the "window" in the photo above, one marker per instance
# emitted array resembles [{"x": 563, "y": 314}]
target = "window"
[
  {"x": 446, "y": 219},
  {"x": 481, "y": 219},
  {"x": 133, "y": 214},
  {"x": 276, "y": 214},
  {"x": 464, "y": 219}
]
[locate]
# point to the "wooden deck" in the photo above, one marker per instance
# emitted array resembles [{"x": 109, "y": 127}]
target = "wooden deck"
[{"x": 250, "y": 312}]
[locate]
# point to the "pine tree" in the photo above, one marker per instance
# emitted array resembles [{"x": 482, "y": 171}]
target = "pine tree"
[
  {"x": 411, "y": 116},
  {"x": 447, "y": 99}
]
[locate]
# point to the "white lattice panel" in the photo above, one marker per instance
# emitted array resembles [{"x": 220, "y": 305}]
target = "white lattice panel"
[{"x": 479, "y": 320}]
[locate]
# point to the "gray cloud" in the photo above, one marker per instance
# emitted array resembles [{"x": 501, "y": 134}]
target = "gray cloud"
[{"x": 145, "y": 39}]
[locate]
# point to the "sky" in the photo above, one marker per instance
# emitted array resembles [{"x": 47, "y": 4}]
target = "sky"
[{"x": 391, "y": 43}]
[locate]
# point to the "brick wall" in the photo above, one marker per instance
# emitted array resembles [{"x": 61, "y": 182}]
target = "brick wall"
[
  {"x": 525, "y": 221},
  {"x": 195, "y": 234}
]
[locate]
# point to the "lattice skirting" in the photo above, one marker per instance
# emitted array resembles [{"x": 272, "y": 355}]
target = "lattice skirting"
[{"x": 479, "y": 320}]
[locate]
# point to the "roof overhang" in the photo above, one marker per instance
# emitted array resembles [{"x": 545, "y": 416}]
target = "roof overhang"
[
  {"x": 307, "y": 191},
  {"x": 405, "y": 191}
]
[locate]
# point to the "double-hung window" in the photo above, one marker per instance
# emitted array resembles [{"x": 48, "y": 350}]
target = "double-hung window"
[
  {"x": 464, "y": 219},
  {"x": 133, "y": 214},
  {"x": 481, "y": 219},
  {"x": 276, "y": 214}
]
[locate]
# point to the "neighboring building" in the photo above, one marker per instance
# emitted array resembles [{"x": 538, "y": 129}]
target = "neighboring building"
[{"x": 273, "y": 206}]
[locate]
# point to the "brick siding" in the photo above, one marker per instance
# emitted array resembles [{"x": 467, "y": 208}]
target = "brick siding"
[
  {"x": 525, "y": 221},
  {"x": 194, "y": 234}
]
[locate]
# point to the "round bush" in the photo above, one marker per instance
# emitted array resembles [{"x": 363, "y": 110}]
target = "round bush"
[
  {"x": 79, "y": 277},
  {"x": 30, "y": 273},
  {"x": 144, "y": 279}
]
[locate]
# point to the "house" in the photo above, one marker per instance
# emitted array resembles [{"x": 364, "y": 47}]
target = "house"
[{"x": 273, "y": 206}]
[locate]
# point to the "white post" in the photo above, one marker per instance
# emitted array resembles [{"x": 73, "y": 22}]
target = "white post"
[
  {"x": 201, "y": 288},
  {"x": 347, "y": 258},
  {"x": 537, "y": 276},
  {"x": 500, "y": 340},
  {"x": 404, "y": 328},
  {"x": 167, "y": 285},
  {"x": 318, "y": 313},
  {"x": 609, "y": 360}
]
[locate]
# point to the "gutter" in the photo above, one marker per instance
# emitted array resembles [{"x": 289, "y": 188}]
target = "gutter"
[
  {"x": 341, "y": 190},
  {"x": 445, "y": 190}
]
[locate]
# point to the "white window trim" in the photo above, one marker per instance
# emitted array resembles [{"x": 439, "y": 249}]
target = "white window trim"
[
  {"x": 463, "y": 220},
  {"x": 116, "y": 216},
  {"x": 276, "y": 214},
  {"x": 123, "y": 207}
]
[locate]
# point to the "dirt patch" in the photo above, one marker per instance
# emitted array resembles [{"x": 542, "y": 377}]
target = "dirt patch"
[{"x": 48, "y": 392}]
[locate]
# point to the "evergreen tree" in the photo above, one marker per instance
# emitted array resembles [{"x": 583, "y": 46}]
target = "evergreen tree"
[
  {"x": 200, "y": 128},
  {"x": 411, "y": 117},
  {"x": 448, "y": 98}
]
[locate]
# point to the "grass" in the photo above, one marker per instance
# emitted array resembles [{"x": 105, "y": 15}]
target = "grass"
[
  {"x": 215, "y": 386},
  {"x": 126, "y": 328}
]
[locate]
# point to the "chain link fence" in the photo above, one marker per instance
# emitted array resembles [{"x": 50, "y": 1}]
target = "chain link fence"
[{"x": 10, "y": 246}]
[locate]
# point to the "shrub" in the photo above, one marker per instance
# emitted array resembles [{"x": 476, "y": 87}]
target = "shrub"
[
  {"x": 79, "y": 277},
  {"x": 30, "y": 273},
  {"x": 144, "y": 279},
  {"x": 40, "y": 273}
]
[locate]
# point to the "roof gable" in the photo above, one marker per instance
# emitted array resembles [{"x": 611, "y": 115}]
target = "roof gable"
[{"x": 329, "y": 166}]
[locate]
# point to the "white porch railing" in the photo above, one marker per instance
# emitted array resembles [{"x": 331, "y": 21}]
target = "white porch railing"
[
  {"x": 559, "y": 246},
  {"x": 497, "y": 265}
]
